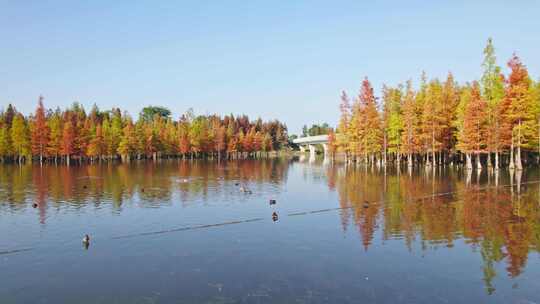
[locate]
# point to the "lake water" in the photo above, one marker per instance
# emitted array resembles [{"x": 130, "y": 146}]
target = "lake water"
[{"x": 183, "y": 232}]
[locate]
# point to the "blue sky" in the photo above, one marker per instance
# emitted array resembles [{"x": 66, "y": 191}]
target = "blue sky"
[{"x": 274, "y": 59}]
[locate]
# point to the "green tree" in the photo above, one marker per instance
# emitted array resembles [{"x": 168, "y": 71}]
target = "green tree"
[
  {"x": 128, "y": 141},
  {"x": 54, "y": 124},
  {"x": 5, "y": 142},
  {"x": 149, "y": 113},
  {"x": 411, "y": 125},
  {"x": 492, "y": 92},
  {"x": 432, "y": 119},
  {"x": 198, "y": 134},
  {"x": 392, "y": 121},
  {"x": 20, "y": 137}
]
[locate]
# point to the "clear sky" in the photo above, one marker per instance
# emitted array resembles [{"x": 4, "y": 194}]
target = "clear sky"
[{"x": 274, "y": 59}]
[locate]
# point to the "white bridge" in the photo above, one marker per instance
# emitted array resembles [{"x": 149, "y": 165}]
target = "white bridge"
[{"x": 311, "y": 142}]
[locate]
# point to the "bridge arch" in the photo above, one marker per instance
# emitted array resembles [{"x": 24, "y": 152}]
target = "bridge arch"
[{"x": 310, "y": 143}]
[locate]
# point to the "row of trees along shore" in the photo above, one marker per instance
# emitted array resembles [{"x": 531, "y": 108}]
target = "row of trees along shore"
[
  {"x": 72, "y": 134},
  {"x": 493, "y": 122}
]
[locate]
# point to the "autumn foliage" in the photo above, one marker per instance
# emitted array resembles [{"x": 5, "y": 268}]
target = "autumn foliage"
[
  {"x": 74, "y": 134},
  {"x": 494, "y": 120}
]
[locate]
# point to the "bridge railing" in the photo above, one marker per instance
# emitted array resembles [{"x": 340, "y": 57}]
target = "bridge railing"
[{"x": 311, "y": 139}]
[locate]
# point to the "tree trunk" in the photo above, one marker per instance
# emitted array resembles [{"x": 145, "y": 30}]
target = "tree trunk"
[
  {"x": 538, "y": 159},
  {"x": 478, "y": 162},
  {"x": 518, "y": 154},
  {"x": 518, "y": 164},
  {"x": 469, "y": 162},
  {"x": 511, "y": 161}
]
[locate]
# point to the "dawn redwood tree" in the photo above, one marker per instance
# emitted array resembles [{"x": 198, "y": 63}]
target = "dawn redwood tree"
[
  {"x": 472, "y": 138},
  {"x": 220, "y": 141},
  {"x": 55, "y": 127},
  {"x": 97, "y": 145},
  {"x": 20, "y": 137},
  {"x": 80, "y": 133},
  {"x": 492, "y": 83},
  {"x": 40, "y": 132},
  {"x": 149, "y": 141},
  {"x": 267, "y": 142},
  {"x": 184, "y": 144},
  {"x": 355, "y": 131},
  {"x": 449, "y": 102},
  {"x": 392, "y": 122},
  {"x": 128, "y": 141},
  {"x": 535, "y": 98},
  {"x": 432, "y": 120},
  {"x": 520, "y": 114},
  {"x": 332, "y": 143},
  {"x": 116, "y": 132},
  {"x": 373, "y": 132},
  {"x": 344, "y": 121},
  {"x": 68, "y": 138},
  {"x": 257, "y": 141},
  {"x": 420, "y": 101},
  {"x": 410, "y": 123},
  {"x": 5, "y": 142},
  {"x": 249, "y": 141}
]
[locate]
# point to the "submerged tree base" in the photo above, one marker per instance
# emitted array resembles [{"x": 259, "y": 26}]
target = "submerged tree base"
[{"x": 151, "y": 158}]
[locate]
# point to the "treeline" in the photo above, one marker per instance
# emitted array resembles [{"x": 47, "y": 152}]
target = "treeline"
[
  {"x": 316, "y": 129},
  {"x": 491, "y": 122},
  {"x": 72, "y": 134}
]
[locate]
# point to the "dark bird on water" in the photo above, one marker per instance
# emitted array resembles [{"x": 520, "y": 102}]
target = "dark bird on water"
[
  {"x": 245, "y": 190},
  {"x": 272, "y": 202},
  {"x": 86, "y": 241},
  {"x": 274, "y": 216},
  {"x": 34, "y": 205}
]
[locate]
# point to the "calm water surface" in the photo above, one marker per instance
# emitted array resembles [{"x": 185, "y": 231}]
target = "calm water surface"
[{"x": 183, "y": 232}]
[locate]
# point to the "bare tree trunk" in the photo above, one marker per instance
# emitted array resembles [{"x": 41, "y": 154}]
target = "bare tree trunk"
[
  {"x": 478, "y": 162},
  {"x": 384, "y": 151},
  {"x": 518, "y": 164},
  {"x": 538, "y": 159},
  {"x": 511, "y": 161},
  {"x": 469, "y": 162}
]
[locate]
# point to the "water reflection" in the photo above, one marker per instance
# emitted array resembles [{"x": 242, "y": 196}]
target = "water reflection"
[
  {"x": 436, "y": 209},
  {"x": 154, "y": 184},
  {"x": 496, "y": 214}
]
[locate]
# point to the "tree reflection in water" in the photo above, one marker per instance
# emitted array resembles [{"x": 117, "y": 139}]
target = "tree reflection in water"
[
  {"x": 495, "y": 213},
  {"x": 438, "y": 208}
]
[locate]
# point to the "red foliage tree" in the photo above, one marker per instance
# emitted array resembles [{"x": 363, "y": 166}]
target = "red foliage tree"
[{"x": 40, "y": 132}]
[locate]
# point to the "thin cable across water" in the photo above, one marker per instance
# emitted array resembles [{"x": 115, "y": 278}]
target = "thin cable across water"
[{"x": 292, "y": 214}]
